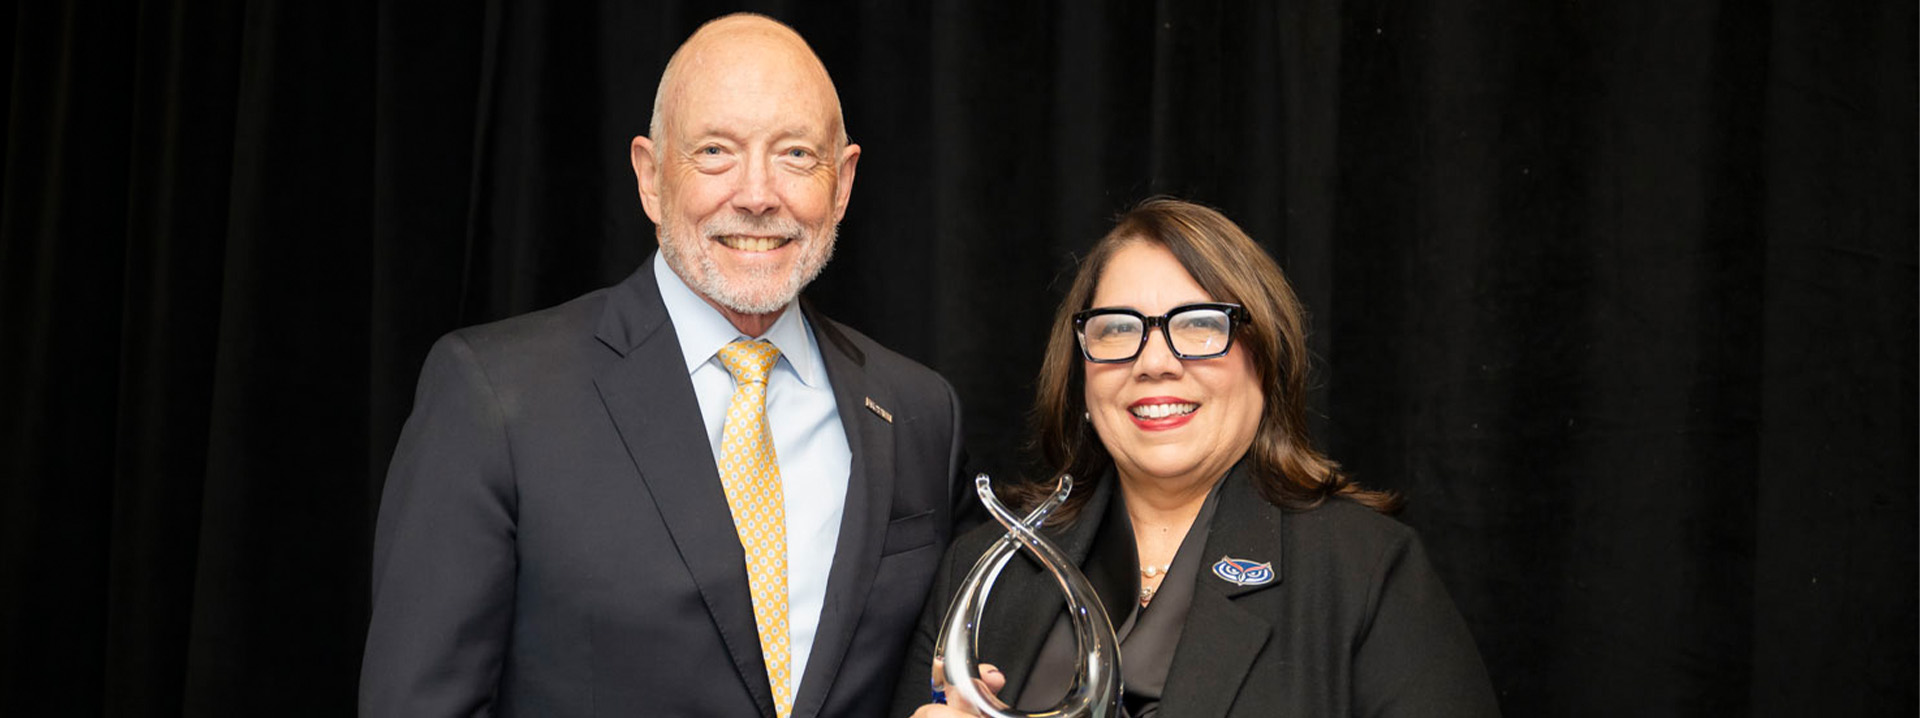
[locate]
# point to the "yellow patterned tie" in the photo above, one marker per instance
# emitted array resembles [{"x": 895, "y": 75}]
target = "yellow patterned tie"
[{"x": 751, "y": 477}]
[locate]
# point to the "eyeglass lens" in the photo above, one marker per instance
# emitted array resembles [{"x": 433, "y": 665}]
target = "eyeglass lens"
[{"x": 1193, "y": 333}]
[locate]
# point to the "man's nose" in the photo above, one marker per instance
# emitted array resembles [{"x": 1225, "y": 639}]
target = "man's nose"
[{"x": 755, "y": 194}]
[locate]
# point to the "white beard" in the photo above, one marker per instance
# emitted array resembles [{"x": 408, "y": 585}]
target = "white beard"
[{"x": 760, "y": 291}]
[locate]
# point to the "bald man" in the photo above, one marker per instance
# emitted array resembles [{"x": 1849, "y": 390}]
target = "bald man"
[{"x": 604, "y": 508}]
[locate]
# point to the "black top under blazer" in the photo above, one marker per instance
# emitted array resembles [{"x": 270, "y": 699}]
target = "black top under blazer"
[
  {"x": 1354, "y": 623},
  {"x": 553, "y": 539}
]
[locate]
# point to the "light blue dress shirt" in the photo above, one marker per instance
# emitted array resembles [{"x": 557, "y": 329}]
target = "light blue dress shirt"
[{"x": 808, "y": 441}]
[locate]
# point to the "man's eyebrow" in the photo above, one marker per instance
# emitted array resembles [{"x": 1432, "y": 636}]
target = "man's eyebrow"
[
  {"x": 702, "y": 133},
  {"x": 797, "y": 131}
]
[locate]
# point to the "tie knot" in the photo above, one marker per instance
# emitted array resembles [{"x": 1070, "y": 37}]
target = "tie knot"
[{"x": 749, "y": 360}]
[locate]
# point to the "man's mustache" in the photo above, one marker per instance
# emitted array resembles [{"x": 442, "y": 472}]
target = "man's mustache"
[{"x": 759, "y": 227}]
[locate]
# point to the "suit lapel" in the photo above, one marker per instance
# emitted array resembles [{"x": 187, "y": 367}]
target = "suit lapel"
[
  {"x": 863, "y": 524},
  {"x": 650, "y": 398},
  {"x": 1220, "y": 641}
]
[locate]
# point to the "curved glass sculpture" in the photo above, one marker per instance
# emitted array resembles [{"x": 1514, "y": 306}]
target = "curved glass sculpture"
[{"x": 1095, "y": 692}]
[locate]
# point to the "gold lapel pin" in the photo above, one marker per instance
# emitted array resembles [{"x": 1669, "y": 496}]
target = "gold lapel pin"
[{"x": 875, "y": 408}]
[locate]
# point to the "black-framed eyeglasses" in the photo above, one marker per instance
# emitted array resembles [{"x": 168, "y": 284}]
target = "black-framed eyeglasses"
[{"x": 1193, "y": 331}]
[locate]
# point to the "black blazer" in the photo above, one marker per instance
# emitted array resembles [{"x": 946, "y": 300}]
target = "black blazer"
[
  {"x": 1354, "y": 622},
  {"x": 553, "y": 540}
]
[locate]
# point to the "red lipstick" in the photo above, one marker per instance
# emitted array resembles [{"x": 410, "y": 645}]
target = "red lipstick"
[{"x": 1163, "y": 423}]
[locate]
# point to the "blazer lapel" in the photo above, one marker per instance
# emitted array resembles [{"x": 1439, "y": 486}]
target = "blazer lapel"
[
  {"x": 863, "y": 524},
  {"x": 1221, "y": 640},
  {"x": 650, "y": 398}
]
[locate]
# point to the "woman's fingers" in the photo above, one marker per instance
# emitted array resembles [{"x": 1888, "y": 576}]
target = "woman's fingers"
[{"x": 990, "y": 682}]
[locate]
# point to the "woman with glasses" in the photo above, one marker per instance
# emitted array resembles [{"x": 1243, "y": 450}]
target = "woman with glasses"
[{"x": 1243, "y": 573}]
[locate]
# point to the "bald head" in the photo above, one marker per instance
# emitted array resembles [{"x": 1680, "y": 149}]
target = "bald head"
[{"x": 744, "y": 43}]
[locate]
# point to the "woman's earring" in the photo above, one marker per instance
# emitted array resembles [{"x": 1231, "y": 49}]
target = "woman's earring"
[{"x": 1086, "y": 416}]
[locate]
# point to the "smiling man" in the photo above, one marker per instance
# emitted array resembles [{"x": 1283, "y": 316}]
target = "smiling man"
[
  {"x": 686, "y": 494},
  {"x": 747, "y": 169}
]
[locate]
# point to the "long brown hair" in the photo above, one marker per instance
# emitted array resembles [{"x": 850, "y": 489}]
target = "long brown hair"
[{"x": 1227, "y": 263}]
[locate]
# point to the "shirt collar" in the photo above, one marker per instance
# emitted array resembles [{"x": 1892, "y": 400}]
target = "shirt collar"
[{"x": 703, "y": 330}]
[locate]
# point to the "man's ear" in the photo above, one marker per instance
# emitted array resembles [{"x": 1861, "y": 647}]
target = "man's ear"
[
  {"x": 843, "y": 184},
  {"x": 646, "y": 171}
]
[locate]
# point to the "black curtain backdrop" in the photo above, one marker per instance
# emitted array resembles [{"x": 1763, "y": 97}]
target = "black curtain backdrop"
[{"x": 1622, "y": 295}]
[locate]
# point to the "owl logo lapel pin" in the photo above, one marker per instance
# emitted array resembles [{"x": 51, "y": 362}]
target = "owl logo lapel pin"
[{"x": 1243, "y": 572}]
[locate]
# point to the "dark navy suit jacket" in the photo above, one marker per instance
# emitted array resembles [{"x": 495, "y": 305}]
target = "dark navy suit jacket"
[{"x": 553, "y": 540}]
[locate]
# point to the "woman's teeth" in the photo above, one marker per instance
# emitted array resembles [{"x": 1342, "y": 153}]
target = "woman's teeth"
[
  {"x": 1162, "y": 411},
  {"x": 753, "y": 244}
]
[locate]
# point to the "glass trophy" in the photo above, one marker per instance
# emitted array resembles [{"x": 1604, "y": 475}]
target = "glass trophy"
[{"x": 1095, "y": 692}]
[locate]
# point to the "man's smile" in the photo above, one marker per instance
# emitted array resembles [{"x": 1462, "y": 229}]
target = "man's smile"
[{"x": 753, "y": 244}]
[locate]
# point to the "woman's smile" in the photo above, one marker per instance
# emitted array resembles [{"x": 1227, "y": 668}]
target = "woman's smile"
[{"x": 1159, "y": 413}]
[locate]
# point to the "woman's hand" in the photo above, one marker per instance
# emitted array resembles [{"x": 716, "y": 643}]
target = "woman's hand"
[{"x": 991, "y": 680}]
